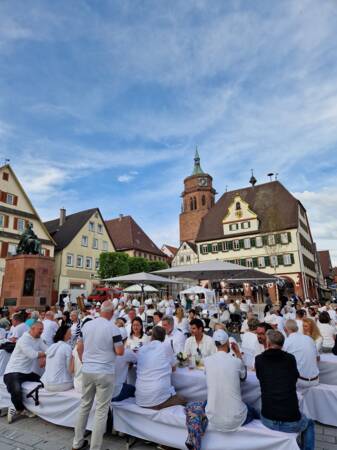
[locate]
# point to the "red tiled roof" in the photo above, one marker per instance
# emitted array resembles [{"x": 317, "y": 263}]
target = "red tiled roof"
[
  {"x": 171, "y": 248},
  {"x": 126, "y": 234},
  {"x": 325, "y": 260}
]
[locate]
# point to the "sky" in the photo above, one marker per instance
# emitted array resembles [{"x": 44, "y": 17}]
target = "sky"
[{"x": 102, "y": 103}]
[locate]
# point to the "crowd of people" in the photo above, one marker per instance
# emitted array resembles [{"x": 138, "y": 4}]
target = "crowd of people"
[{"x": 93, "y": 350}]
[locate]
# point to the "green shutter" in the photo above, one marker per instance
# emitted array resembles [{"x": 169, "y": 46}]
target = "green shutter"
[
  {"x": 278, "y": 238},
  {"x": 265, "y": 240},
  {"x": 209, "y": 248},
  {"x": 242, "y": 244},
  {"x": 253, "y": 242},
  {"x": 255, "y": 262},
  {"x": 243, "y": 262},
  {"x": 267, "y": 261},
  {"x": 280, "y": 260},
  {"x": 292, "y": 258},
  {"x": 289, "y": 236},
  {"x": 230, "y": 245}
]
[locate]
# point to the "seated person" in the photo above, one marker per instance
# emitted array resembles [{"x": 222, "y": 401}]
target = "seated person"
[
  {"x": 249, "y": 340},
  {"x": 277, "y": 373},
  {"x": 122, "y": 389},
  {"x": 18, "y": 327},
  {"x": 49, "y": 328},
  {"x": 174, "y": 339},
  {"x": 33, "y": 317},
  {"x": 154, "y": 368},
  {"x": 224, "y": 408},
  {"x": 57, "y": 376},
  {"x": 137, "y": 336},
  {"x": 157, "y": 316},
  {"x": 28, "y": 349},
  {"x": 199, "y": 344},
  {"x": 261, "y": 333}
]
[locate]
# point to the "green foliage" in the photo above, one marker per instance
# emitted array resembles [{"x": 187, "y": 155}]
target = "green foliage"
[
  {"x": 137, "y": 264},
  {"x": 157, "y": 265},
  {"x": 113, "y": 264}
]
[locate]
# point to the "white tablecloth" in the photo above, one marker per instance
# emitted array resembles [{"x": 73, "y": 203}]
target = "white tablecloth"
[
  {"x": 328, "y": 369},
  {"x": 320, "y": 403},
  {"x": 191, "y": 384},
  {"x": 4, "y": 358}
]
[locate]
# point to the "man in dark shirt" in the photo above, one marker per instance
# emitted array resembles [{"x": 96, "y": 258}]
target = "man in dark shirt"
[{"x": 277, "y": 372}]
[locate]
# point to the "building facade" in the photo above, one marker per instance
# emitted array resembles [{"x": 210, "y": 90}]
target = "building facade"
[
  {"x": 80, "y": 239},
  {"x": 16, "y": 212},
  {"x": 186, "y": 254}
]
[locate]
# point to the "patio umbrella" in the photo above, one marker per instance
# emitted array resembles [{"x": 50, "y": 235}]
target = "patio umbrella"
[{"x": 138, "y": 288}]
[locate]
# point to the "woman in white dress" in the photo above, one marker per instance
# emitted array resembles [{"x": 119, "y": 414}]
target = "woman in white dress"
[
  {"x": 180, "y": 321},
  {"x": 137, "y": 336},
  {"x": 327, "y": 331}
]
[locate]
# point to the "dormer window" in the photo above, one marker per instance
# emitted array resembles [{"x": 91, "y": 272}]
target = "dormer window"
[
  {"x": 237, "y": 206},
  {"x": 233, "y": 226}
]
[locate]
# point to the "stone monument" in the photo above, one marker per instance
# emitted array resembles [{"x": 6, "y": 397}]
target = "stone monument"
[{"x": 28, "y": 278}]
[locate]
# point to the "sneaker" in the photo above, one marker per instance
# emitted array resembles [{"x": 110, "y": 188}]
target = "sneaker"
[
  {"x": 11, "y": 414},
  {"x": 83, "y": 446},
  {"x": 27, "y": 413}
]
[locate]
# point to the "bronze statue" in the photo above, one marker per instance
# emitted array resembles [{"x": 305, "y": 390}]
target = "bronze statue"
[{"x": 29, "y": 243}]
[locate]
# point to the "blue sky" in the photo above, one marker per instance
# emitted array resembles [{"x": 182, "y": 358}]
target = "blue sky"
[{"x": 102, "y": 103}]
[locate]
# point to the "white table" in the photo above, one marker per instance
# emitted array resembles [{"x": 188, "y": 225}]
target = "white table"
[
  {"x": 191, "y": 384},
  {"x": 328, "y": 369}
]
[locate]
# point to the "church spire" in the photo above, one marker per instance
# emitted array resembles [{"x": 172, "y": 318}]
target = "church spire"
[{"x": 197, "y": 170}]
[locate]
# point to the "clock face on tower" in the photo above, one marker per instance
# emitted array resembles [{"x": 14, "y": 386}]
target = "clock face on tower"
[{"x": 203, "y": 181}]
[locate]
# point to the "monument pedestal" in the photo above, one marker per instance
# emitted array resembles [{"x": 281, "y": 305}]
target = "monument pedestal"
[{"x": 28, "y": 281}]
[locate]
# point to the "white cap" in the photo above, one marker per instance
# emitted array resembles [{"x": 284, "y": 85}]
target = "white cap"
[{"x": 220, "y": 336}]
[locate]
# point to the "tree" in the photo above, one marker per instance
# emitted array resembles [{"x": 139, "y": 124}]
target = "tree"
[
  {"x": 113, "y": 264},
  {"x": 157, "y": 265},
  {"x": 137, "y": 264}
]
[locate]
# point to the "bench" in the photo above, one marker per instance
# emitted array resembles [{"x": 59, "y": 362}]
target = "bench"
[{"x": 167, "y": 427}]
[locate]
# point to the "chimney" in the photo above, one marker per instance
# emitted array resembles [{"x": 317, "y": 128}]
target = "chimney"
[
  {"x": 62, "y": 216},
  {"x": 121, "y": 216}
]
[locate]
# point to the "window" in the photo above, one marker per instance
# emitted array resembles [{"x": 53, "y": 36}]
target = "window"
[
  {"x": 225, "y": 246},
  {"x": 11, "y": 249},
  {"x": 238, "y": 206},
  {"x": 236, "y": 244},
  {"x": 249, "y": 262},
  {"x": 246, "y": 243},
  {"x": 261, "y": 261},
  {"x": 91, "y": 226},
  {"x": 28, "y": 285},
  {"x": 233, "y": 226},
  {"x": 99, "y": 228},
  {"x": 284, "y": 238},
  {"x": 88, "y": 262},
  {"x": 182, "y": 259},
  {"x": 214, "y": 248},
  {"x": 97, "y": 263},
  {"x": 2, "y": 220},
  {"x": 203, "y": 200},
  {"x": 258, "y": 241},
  {"x": 10, "y": 199},
  {"x": 271, "y": 239},
  {"x": 84, "y": 241},
  {"x": 70, "y": 259},
  {"x": 106, "y": 246},
  {"x": 194, "y": 203},
  {"x": 191, "y": 204},
  {"x": 274, "y": 261},
  {"x": 5, "y": 176},
  {"x": 204, "y": 249},
  {"x": 245, "y": 225},
  {"x": 79, "y": 261},
  {"x": 95, "y": 243},
  {"x": 21, "y": 224},
  {"x": 287, "y": 260},
  {"x": 188, "y": 258}
]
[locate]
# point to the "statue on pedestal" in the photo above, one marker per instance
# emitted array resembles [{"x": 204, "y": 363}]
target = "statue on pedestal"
[{"x": 29, "y": 243}]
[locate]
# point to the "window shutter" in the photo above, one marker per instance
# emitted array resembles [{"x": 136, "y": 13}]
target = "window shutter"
[
  {"x": 292, "y": 258},
  {"x": 3, "y": 196},
  {"x": 280, "y": 260},
  {"x": 219, "y": 246},
  {"x": 209, "y": 248},
  {"x": 6, "y": 221},
  {"x": 243, "y": 262},
  {"x": 4, "y": 249},
  {"x": 253, "y": 242},
  {"x": 278, "y": 238},
  {"x": 15, "y": 226},
  {"x": 242, "y": 244},
  {"x": 289, "y": 236},
  {"x": 267, "y": 261},
  {"x": 230, "y": 245},
  {"x": 255, "y": 262},
  {"x": 15, "y": 200}
]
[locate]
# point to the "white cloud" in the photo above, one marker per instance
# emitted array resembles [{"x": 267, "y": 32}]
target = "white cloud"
[{"x": 124, "y": 178}]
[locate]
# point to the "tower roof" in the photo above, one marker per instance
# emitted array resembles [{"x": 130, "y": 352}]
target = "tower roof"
[{"x": 197, "y": 170}]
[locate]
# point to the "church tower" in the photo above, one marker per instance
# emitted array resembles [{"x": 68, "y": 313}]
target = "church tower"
[{"x": 198, "y": 198}]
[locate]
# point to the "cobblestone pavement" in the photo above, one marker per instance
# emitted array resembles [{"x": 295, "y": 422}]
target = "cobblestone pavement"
[{"x": 36, "y": 434}]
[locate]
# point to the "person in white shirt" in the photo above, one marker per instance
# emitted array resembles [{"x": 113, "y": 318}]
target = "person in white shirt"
[
  {"x": 328, "y": 332},
  {"x": 142, "y": 313},
  {"x": 199, "y": 344},
  {"x": 28, "y": 349},
  {"x": 18, "y": 328},
  {"x": 122, "y": 389},
  {"x": 224, "y": 408},
  {"x": 57, "y": 375},
  {"x": 100, "y": 343},
  {"x": 244, "y": 307},
  {"x": 174, "y": 339},
  {"x": 49, "y": 328},
  {"x": 75, "y": 328},
  {"x": 67, "y": 303},
  {"x": 244, "y": 326},
  {"x": 137, "y": 338},
  {"x": 305, "y": 352},
  {"x": 311, "y": 329},
  {"x": 300, "y": 314},
  {"x": 249, "y": 342},
  {"x": 154, "y": 368},
  {"x": 131, "y": 315}
]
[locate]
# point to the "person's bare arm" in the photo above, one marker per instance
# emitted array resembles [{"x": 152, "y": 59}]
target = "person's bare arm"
[{"x": 119, "y": 349}]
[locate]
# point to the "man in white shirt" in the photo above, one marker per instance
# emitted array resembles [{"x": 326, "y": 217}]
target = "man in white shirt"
[
  {"x": 75, "y": 328},
  {"x": 28, "y": 349},
  {"x": 199, "y": 344},
  {"x": 131, "y": 315},
  {"x": 304, "y": 349},
  {"x": 98, "y": 346},
  {"x": 249, "y": 340},
  {"x": 174, "y": 339},
  {"x": 49, "y": 328},
  {"x": 18, "y": 327},
  {"x": 154, "y": 368}
]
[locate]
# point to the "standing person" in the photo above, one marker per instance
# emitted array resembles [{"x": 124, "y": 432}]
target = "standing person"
[
  {"x": 328, "y": 332},
  {"x": 277, "y": 373},
  {"x": 101, "y": 341},
  {"x": 28, "y": 349},
  {"x": 75, "y": 327},
  {"x": 49, "y": 328}
]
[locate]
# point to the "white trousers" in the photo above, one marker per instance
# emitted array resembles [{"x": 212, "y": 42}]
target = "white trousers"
[{"x": 100, "y": 386}]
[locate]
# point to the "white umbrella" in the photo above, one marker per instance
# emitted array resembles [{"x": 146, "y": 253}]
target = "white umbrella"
[
  {"x": 141, "y": 278},
  {"x": 138, "y": 288}
]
